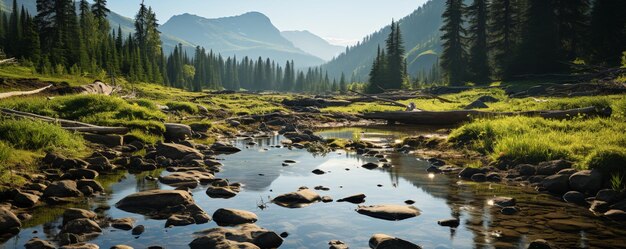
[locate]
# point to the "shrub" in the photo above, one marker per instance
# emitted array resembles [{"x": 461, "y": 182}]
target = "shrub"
[
  {"x": 35, "y": 135},
  {"x": 608, "y": 160},
  {"x": 187, "y": 107}
]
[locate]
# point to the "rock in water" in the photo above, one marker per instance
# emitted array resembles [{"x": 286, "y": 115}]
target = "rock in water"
[
  {"x": 176, "y": 151},
  {"x": 9, "y": 223},
  {"x": 354, "y": 199},
  {"x": 65, "y": 188},
  {"x": 389, "y": 212},
  {"x": 586, "y": 181},
  {"x": 454, "y": 222},
  {"x": 77, "y": 213},
  {"x": 248, "y": 236},
  {"x": 154, "y": 200},
  {"x": 229, "y": 217},
  {"x": 301, "y": 198},
  {"x": 337, "y": 244},
  {"x": 37, "y": 243},
  {"x": 383, "y": 241}
]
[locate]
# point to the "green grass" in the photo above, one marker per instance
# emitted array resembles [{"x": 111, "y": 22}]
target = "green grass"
[
  {"x": 35, "y": 135},
  {"x": 187, "y": 107},
  {"x": 532, "y": 139},
  {"x": 94, "y": 109}
]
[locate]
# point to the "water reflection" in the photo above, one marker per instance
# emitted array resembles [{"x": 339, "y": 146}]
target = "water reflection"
[{"x": 260, "y": 169}]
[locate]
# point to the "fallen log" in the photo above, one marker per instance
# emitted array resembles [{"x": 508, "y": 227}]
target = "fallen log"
[
  {"x": 317, "y": 102},
  {"x": 67, "y": 124},
  {"x": 382, "y": 99},
  {"x": 461, "y": 116},
  {"x": 23, "y": 93}
]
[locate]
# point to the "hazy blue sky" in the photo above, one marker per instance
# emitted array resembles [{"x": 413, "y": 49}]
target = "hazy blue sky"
[{"x": 339, "y": 21}]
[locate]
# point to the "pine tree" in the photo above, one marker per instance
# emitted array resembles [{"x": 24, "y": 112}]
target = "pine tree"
[
  {"x": 343, "y": 88},
  {"x": 30, "y": 40},
  {"x": 395, "y": 72},
  {"x": 453, "y": 58},
  {"x": 100, "y": 13},
  {"x": 503, "y": 33},
  {"x": 538, "y": 52},
  {"x": 573, "y": 23},
  {"x": 478, "y": 59},
  {"x": 607, "y": 32},
  {"x": 376, "y": 76},
  {"x": 14, "y": 32}
]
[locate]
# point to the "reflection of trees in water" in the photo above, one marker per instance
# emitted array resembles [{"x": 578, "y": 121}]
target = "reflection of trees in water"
[{"x": 459, "y": 200}]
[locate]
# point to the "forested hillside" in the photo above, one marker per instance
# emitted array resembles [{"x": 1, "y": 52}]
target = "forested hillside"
[{"x": 421, "y": 40}]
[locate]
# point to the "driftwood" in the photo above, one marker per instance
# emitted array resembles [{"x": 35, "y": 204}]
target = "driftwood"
[
  {"x": 317, "y": 102},
  {"x": 381, "y": 99},
  {"x": 23, "y": 93},
  {"x": 67, "y": 124},
  {"x": 8, "y": 61},
  {"x": 460, "y": 116}
]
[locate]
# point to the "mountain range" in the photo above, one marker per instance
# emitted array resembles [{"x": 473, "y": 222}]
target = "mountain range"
[
  {"x": 420, "y": 31},
  {"x": 253, "y": 34}
]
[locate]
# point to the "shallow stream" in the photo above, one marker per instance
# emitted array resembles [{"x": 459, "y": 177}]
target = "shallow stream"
[{"x": 259, "y": 168}]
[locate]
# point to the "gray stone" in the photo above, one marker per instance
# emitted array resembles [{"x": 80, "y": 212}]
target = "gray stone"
[
  {"x": 77, "y": 213},
  {"x": 138, "y": 230},
  {"x": 453, "y": 222},
  {"x": 179, "y": 220},
  {"x": 599, "y": 207},
  {"x": 480, "y": 177},
  {"x": 300, "y": 198},
  {"x": 556, "y": 184},
  {"x": 607, "y": 195},
  {"x": 574, "y": 197},
  {"x": 65, "y": 188},
  {"x": 526, "y": 169},
  {"x": 37, "y": 243},
  {"x": 176, "y": 151},
  {"x": 81, "y": 246},
  {"x": 9, "y": 223},
  {"x": 337, "y": 244},
  {"x": 354, "y": 199},
  {"x": 123, "y": 223},
  {"x": 552, "y": 167},
  {"x": 229, "y": 217},
  {"x": 25, "y": 200},
  {"x": 383, "y": 241},
  {"x": 586, "y": 181},
  {"x": 504, "y": 201},
  {"x": 389, "y": 212},
  {"x": 81, "y": 226},
  {"x": 468, "y": 172}
]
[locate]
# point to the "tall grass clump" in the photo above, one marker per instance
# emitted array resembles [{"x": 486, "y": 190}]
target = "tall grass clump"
[
  {"x": 186, "y": 107},
  {"x": 5, "y": 153},
  {"x": 533, "y": 139},
  {"x": 609, "y": 161},
  {"x": 35, "y": 136}
]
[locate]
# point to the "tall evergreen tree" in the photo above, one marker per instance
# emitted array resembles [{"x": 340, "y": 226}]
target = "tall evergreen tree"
[
  {"x": 14, "y": 34},
  {"x": 395, "y": 72},
  {"x": 608, "y": 36},
  {"x": 343, "y": 88},
  {"x": 453, "y": 58},
  {"x": 573, "y": 24},
  {"x": 503, "y": 33},
  {"x": 538, "y": 52},
  {"x": 479, "y": 69}
]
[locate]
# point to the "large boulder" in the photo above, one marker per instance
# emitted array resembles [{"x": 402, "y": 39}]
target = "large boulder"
[
  {"x": 383, "y": 241},
  {"x": 65, "y": 188},
  {"x": 81, "y": 226},
  {"x": 9, "y": 223},
  {"x": 556, "y": 184},
  {"x": 25, "y": 200},
  {"x": 248, "y": 236},
  {"x": 183, "y": 178},
  {"x": 162, "y": 204},
  {"x": 552, "y": 167},
  {"x": 300, "y": 198},
  {"x": 228, "y": 217},
  {"x": 177, "y": 132},
  {"x": 77, "y": 174},
  {"x": 224, "y": 148},
  {"x": 468, "y": 172},
  {"x": 71, "y": 214},
  {"x": 586, "y": 181},
  {"x": 37, "y": 243},
  {"x": 106, "y": 140},
  {"x": 176, "y": 151},
  {"x": 389, "y": 212}
]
